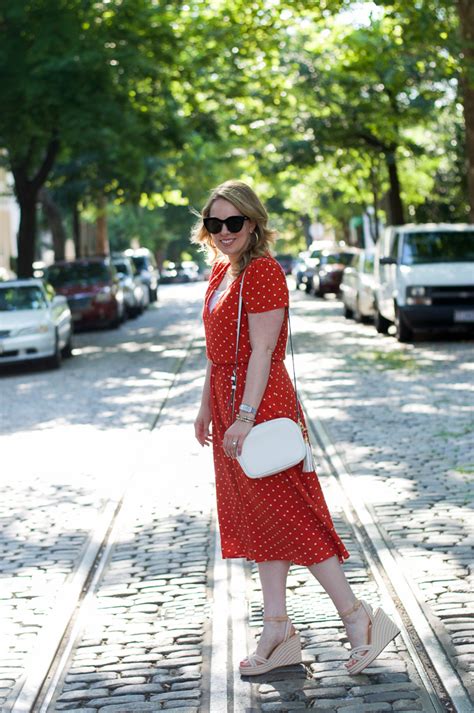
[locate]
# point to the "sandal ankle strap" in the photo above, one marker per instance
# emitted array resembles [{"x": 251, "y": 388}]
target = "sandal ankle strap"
[
  {"x": 353, "y": 609},
  {"x": 276, "y": 618}
]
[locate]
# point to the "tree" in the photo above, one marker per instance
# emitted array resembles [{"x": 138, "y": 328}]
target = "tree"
[
  {"x": 82, "y": 76},
  {"x": 364, "y": 89},
  {"x": 466, "y": 16},
  {"x": 445, "y": 29}
]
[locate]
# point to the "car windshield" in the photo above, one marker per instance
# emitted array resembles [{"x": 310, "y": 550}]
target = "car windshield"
[
  {"x": 140, "y": 263},
  {"x": 337, "y": 259},
  {"x": 78, "y": 274},
  {"x": 122, "y": 267},
  {"x": 21, "y": 297},
  {"x": 438, "y": 246}
]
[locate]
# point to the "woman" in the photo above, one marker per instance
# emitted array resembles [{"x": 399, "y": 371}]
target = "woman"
[{"x": 281, "y": 519}]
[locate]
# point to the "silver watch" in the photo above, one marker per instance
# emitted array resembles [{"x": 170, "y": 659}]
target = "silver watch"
[{"x": 248, "y": 409}]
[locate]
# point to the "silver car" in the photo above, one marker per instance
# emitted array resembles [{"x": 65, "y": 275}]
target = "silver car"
[
  {"x": 33, "y": 325},
  {"x": 358, "y": 287},
  {"x": 135, "y": 291}
]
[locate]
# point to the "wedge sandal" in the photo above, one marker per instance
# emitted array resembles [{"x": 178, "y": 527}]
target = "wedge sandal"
[
  {"x": 381, "y": 632},
  {"x": 288, "y": 653}
]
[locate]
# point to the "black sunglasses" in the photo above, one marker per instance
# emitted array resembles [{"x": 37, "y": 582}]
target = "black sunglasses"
[{"x": 234, "y": 223}]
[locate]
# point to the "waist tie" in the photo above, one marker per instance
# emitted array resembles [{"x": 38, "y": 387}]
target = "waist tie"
[{"x": 240, "y": 363}]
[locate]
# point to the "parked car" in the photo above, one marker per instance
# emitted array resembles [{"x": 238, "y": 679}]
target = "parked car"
[
  {"x": 329, "y": 270},
  {"x": 146, "y": 266},
  {"x": 286, "y": 261},
  {"x": 92, "y": 288},
  {"x": 424, "y": 278},
  {"x": 33, "y": 326},
  {"x": 305, "y": 277},
  {"x": 188, "y": 271},
  {"x": 168, "y": 273},
  {"x": 299, "y": 268},
  {"x": 358, "y": 287},
  {"x": 135, "y": 291}
]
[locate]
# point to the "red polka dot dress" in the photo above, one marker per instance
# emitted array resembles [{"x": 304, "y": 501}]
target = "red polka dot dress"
[{"x": 284, "y": 516}]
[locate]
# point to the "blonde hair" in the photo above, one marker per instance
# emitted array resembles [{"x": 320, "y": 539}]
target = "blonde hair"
[{"x": 244, "y": 199}]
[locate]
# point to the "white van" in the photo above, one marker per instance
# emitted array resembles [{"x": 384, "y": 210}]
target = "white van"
[{"x": 424, "y": 278}]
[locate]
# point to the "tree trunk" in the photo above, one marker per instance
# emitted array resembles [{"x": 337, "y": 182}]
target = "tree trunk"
[
  {"x": 466, "y": 18},
  {"x": 102, "y": 243},
  {"x": 27, "y": 232},
  {"x": 396, "y": 213},
  {"x": 76, "y": 230},
  {"x": 306, "y": 223},
  {"x": 26, "y": 190},
  {"x": 374, "y": 175},
  {"x": 55, "y": 222}
]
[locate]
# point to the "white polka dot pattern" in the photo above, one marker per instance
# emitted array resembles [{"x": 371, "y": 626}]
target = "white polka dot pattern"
[{"x": 285, "y": 516}]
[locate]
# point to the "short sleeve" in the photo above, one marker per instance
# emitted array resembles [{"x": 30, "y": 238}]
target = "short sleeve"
[{"x": 265, "y": 286}]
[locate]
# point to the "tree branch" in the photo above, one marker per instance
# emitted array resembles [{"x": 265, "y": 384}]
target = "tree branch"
[{"x": 48, "y": 162}]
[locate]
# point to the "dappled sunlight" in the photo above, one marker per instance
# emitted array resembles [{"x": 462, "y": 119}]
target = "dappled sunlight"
[
  {"x": 419, "y": 408},
  {"x": 117, "y": 378}
]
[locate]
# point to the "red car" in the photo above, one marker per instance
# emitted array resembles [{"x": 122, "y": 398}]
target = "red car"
[
  {"x": 92, "y": 289},
  {"x": 329, "y": 271}
]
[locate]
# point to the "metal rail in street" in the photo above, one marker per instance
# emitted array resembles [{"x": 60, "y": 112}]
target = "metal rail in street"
[
  {"x": 440, "y": 687},
  {"x": 443, "y": 686},
  {"x": 56, "y": 641}
]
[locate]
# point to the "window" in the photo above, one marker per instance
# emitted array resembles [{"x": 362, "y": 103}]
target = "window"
[
  {"x": 85, "y": 274},
  {"x": 438, "y": 246},
  {"x": 18, "y": 298}
]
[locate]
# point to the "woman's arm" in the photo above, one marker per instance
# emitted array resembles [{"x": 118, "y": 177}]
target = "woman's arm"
[
  {"x": 203, "y": 419},
  {"x": 206, "y": 389},
  {"x": 264, "y": 330}
]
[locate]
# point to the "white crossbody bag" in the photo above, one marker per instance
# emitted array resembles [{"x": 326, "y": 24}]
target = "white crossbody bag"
[{"x": 272, "y": 446}]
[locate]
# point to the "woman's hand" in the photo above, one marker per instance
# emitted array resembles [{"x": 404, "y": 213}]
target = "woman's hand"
[
  {"x": 201, "y": 426},
  {"x": 234, "y": 438}
]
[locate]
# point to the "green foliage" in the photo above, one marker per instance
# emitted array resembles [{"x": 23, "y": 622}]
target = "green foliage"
[
  {"x": 153, "y": 103},
  {"x": 164, "y": 230}
]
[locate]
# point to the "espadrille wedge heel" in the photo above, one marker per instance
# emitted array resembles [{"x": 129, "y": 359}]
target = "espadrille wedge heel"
[
  {"x": 381, "y": 631},
  {"x": 288, "y": 653}
]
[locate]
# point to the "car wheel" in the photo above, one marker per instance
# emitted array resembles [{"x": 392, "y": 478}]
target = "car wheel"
[
  {"x": 348, "y": 313},
  {"x": 116, "y": 321},
  {"x": 403, "y": 331},
  {"x": 54, "y": 362},
  {"x": 381, "y": 324},
  {"x": 67, "y": 350}
]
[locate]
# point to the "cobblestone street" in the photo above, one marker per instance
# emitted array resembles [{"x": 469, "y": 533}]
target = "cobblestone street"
[{"x": 117, "y": 420}]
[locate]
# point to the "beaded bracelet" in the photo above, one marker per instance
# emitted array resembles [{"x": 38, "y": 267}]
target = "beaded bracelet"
[{"x": 245, "y": 419}]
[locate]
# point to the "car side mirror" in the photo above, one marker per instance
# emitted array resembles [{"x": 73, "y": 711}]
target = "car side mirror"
[{"x": 388, "y": 261}]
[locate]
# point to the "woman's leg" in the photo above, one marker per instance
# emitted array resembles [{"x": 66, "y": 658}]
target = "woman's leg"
[
  {"x": 273, "y": 576},
  {"x": 331, "y": 577}
]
